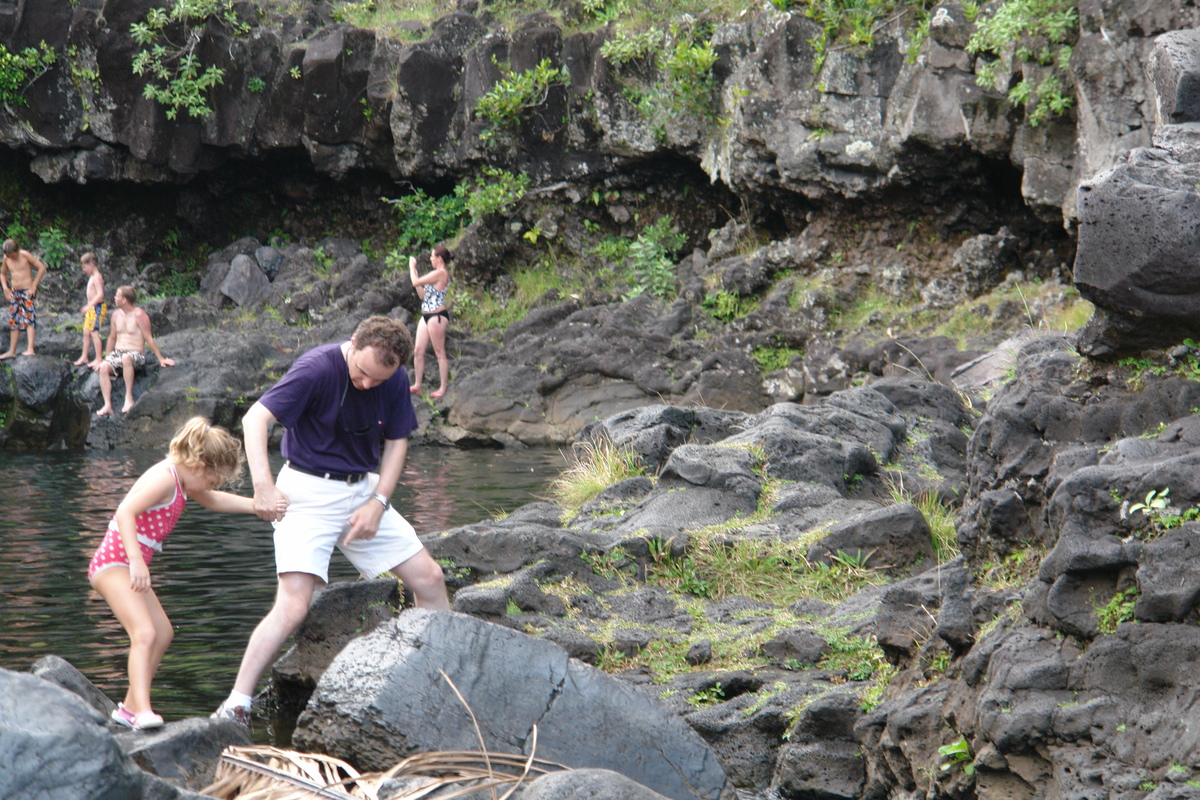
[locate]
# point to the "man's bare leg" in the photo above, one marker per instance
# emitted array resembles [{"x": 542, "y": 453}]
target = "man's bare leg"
[
  {"x": 12, "y": 345},
  {"x": 291, "y": 607},
  {"x": 423, "y": 575},
  {"x": 127, "y": 363},
  {"x": 29, "y": 333},
  {"x": 105, "y": 374}
]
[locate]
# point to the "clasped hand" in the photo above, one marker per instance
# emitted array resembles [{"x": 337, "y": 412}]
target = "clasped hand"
[{"x": 270, "y": 504}]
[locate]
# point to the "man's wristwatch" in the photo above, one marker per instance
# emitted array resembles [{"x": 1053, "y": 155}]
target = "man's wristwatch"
[{"x": 386, "y": 503}]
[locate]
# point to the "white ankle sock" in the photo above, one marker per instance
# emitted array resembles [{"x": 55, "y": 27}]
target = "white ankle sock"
[{"x": 236, "y": 698}]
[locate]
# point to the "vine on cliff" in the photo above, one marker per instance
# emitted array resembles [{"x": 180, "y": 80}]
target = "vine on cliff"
[{"x": 177, "y": 78}]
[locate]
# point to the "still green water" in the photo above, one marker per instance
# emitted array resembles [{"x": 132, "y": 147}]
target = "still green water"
[{"x": 215, "y": 576}]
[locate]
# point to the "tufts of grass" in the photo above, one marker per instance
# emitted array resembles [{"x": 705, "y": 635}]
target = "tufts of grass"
[
  {"x": 481, "y": 311},
  {"x": 769, "y": 570},
  {"x": 597, "y": 466},
  {"x": 1015, "y": 570},
  {"x": 939, "y": 516}
]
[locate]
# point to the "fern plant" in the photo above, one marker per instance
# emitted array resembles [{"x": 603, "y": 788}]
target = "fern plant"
[{"x": 651, "y": 267}]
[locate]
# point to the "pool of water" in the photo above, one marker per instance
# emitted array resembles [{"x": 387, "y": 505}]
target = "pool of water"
[{"x": 215, "y": 577}]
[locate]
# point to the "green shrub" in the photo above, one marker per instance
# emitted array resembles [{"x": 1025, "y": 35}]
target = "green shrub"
[
  {"x": 773, "y": 359},
  {"x": 728, "y": 306},
  {"x": 1041, "y": 32},
  {"x": 169, "y": 40},
  {"x": 1119, "y": 609},
  {"x": 508, "y": 99},
  {"x": 625, "y": 48},
  {"x": 178, "y": 284},
  {"x": 424, "y": 222},
  {"x": 494, "y": 193},
  {"x": 53, "y": 242},
  {"x": 666, "y": 75},
  {"x": 19, "y": 70}
]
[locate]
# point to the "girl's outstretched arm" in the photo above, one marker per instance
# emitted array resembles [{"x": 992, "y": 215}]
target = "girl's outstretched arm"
[
  {"x": 229, "y": 502},
  {"x": 154, "y": 488}
]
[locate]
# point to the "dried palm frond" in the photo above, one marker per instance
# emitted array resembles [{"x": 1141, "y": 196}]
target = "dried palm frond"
[{"x": 261, "y": 772}]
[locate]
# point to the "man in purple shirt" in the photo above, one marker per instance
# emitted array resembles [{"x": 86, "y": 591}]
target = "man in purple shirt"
[{"x": 339, "y": 404}]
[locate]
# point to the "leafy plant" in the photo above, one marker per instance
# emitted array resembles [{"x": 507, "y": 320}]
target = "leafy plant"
[
  {"x": 256, "y": 84},
  {"x": 773, "y": 359},
  {"x": 678, "y": 574},
  {"x": 1155, "y": 501},
  {"x": 494, "y": 193},
  {"x": 424, "y": 222},
  {"x": 53, "y": 242},
  {"x": 958, "y": 753},
  {"x": 178, "y": 284},
  {"x": 872, "y": 696},
  {"x": 707, "y": 697},
  {"x": 19, "y": 70},
  {"x": 169, "y": 40},
  {"x": 726, "y": 306},
  {"x": 1037, "y": 34},
  {"x": 1119, "y": 609},
  {"x": 504, "y": 104},
  {"x": 624, "y": 48},
  {"x": 669, "y": 73}
]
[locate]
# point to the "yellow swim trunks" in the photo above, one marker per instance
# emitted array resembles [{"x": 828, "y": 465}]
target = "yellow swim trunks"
[{"x": 94, "y": 316}]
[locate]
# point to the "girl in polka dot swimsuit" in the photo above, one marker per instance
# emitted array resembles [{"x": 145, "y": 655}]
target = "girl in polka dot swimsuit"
[{"x": 200, "y": 458}]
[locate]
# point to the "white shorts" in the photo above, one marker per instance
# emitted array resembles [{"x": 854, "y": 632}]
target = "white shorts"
[{"x": 318, "y": 516}]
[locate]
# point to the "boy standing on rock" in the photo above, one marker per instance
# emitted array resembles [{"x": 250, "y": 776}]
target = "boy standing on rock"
[
  {"x": 93, "y": 310},
  {"x": 20, "y": 287}
]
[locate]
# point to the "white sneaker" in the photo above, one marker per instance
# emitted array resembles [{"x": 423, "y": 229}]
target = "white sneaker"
[{"x": 239, "y": 714}]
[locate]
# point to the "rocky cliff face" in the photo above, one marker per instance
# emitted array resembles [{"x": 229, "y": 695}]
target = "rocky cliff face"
[{"x": 860, "y": 124}]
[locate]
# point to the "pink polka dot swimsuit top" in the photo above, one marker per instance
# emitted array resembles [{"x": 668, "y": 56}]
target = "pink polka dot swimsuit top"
[{"x": 156, "y": 522}]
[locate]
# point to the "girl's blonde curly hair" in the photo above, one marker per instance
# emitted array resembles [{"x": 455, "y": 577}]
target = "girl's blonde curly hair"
[{"x": 202, "y": 445}]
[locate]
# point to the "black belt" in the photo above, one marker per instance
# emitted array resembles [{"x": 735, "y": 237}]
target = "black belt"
[{"x": 344, "y": 477}]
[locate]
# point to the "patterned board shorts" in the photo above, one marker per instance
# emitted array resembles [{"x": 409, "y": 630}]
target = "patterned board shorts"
[
  {"x": 114, "y": 360},
  {"x": 94, "y": 316},
  {"x": 21, "y": 312}
]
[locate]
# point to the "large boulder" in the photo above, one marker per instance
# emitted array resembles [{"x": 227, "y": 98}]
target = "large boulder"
[
  {"x": 53, "y": 744},
  {"x": 1137, "y": 257},
  {"x": 392, "y": 692}
]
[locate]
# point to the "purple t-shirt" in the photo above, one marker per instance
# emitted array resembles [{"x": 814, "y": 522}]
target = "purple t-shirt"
[{"x": 331, "y": 425}]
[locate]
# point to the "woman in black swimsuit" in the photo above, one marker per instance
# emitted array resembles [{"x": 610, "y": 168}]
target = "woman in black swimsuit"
[{"x": 431, "y": 287}]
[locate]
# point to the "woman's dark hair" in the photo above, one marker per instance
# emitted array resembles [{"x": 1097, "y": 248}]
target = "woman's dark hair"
[{"x": 441, "y": 252}]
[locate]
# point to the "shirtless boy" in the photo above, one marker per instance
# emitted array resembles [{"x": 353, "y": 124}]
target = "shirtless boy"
[
  {"x": 128, "y": 338},
  {"x": 17, "y": 276},
  {"x": 93, "y": 310}
]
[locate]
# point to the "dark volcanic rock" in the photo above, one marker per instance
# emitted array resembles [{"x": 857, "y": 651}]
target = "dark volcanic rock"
[{"x": 584, "y": 718}]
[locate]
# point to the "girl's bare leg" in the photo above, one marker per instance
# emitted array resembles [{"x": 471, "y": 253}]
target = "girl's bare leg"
[
  {"x": 149, "y": 630},
  {"x": 437, "y": 335},
  {"x": 419, "y": 347}
]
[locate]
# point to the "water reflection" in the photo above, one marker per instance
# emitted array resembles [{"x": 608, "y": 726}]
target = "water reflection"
[{"x": 215, "y": 576}]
